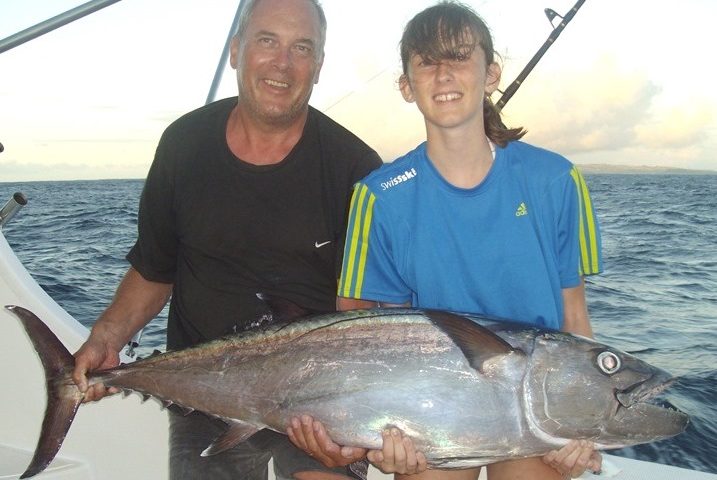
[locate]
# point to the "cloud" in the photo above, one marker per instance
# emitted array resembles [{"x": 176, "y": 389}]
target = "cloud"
[
  {"x": 677, "y": 127},
  {"x": 606, "y": 108},
  {"x": 598, "y": 108}
]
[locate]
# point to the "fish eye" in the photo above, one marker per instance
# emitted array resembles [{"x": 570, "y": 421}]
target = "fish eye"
[{"x": 609, "y": 362}]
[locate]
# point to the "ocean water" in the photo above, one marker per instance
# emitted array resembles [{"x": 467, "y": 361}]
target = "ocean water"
[{"x": 657, "y": 297}]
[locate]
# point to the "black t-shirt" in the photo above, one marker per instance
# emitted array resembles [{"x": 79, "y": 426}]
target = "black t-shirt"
[{"x": 222, "y": 230}]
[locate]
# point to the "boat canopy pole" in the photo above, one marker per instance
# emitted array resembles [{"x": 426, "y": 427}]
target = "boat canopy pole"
[
  {"x": 513, "y": 87},
  {"x": 225, "y": 54},
  {"x": 53, "y": 23}
]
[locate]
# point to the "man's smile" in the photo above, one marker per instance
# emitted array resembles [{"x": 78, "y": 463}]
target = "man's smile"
[{"x": 276, "y": 83}]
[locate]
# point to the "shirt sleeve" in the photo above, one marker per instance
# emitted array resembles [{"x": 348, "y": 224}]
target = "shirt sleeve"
[
  {"x": 154, "y": 255},
  {"x": 369, "y": 270},
  {"x": 369, "y": 162},
  {"x": 579, "y": 243}
]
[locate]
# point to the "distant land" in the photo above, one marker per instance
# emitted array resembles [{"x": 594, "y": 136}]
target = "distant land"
[{"x": 640, "y": 169}]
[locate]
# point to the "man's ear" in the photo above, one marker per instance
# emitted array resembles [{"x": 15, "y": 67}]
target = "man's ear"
[
  {"x": 405, "y": 86},
  {"x": 234, "y": 52},
  {"x": 320, "y": 63},
  {"x": 492, "y": 79}
]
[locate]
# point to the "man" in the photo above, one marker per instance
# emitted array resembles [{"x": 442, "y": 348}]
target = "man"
[{"x": 244, "y": 196}]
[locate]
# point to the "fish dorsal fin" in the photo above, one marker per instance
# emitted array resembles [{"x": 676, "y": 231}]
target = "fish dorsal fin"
[
  {"x": 237, "y": 433},
  {"x": 477, "y": 343}
]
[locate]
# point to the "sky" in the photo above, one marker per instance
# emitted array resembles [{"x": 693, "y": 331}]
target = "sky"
[{"x": 627, "y": 83}]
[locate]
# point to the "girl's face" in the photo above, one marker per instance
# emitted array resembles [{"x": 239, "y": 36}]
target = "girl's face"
[{"x": 449, "y": 93}]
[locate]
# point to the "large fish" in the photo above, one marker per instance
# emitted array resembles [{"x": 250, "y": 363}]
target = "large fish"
[{"x": 469, "y": 391}]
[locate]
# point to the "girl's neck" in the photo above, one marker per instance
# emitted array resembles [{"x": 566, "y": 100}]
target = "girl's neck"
[{"x": 463, "y": 159}]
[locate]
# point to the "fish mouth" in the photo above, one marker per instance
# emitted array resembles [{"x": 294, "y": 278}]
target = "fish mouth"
[
  {"x": 641, "y": 409},
  {"x": 646, "y": 395},
  {"x": 644, "y": 391}
]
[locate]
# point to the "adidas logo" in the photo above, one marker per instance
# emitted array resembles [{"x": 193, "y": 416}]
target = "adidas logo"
[{"x": 522, "y": 210}]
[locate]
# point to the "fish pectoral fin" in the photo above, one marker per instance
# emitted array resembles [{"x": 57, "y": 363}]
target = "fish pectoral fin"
[
  {"x": 237, "y": 433},
  {"x": 477, "y": 343}
]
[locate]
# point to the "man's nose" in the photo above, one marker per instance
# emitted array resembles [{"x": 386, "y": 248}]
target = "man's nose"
[{"x": 282, "y": 58}]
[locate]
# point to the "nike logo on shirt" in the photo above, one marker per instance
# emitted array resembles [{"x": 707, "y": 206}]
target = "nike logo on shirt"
[{"x": 319, "y": 245}]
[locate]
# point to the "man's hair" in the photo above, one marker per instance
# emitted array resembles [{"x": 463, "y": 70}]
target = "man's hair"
[
  {"x": 250, "y": 5},
  {"x": 451, "y": 30}
]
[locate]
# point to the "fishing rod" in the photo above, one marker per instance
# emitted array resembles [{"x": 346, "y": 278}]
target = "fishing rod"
[{"x": 551, "y": 14}]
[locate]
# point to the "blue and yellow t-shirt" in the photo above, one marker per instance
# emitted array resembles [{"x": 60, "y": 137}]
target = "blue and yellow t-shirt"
[{"x": 505, "y": 248}]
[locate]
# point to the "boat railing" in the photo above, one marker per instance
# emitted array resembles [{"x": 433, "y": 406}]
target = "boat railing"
[
  {"x": 16, "y": 202},
  {"x": 51, "y": 24}
]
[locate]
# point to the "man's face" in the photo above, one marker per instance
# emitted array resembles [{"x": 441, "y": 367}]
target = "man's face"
[{"x": 278, "y": 60}]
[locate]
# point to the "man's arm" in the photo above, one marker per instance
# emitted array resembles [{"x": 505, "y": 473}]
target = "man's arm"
[{"x": 136, "y": 302}]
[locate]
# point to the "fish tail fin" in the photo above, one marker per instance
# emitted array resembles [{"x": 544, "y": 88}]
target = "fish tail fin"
[{"x": 63, "y": 396}]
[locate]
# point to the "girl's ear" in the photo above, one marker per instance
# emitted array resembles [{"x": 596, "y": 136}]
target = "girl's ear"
[
  {"x": 405, "y": 85},
  {"x": 492, "y": 78}
]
